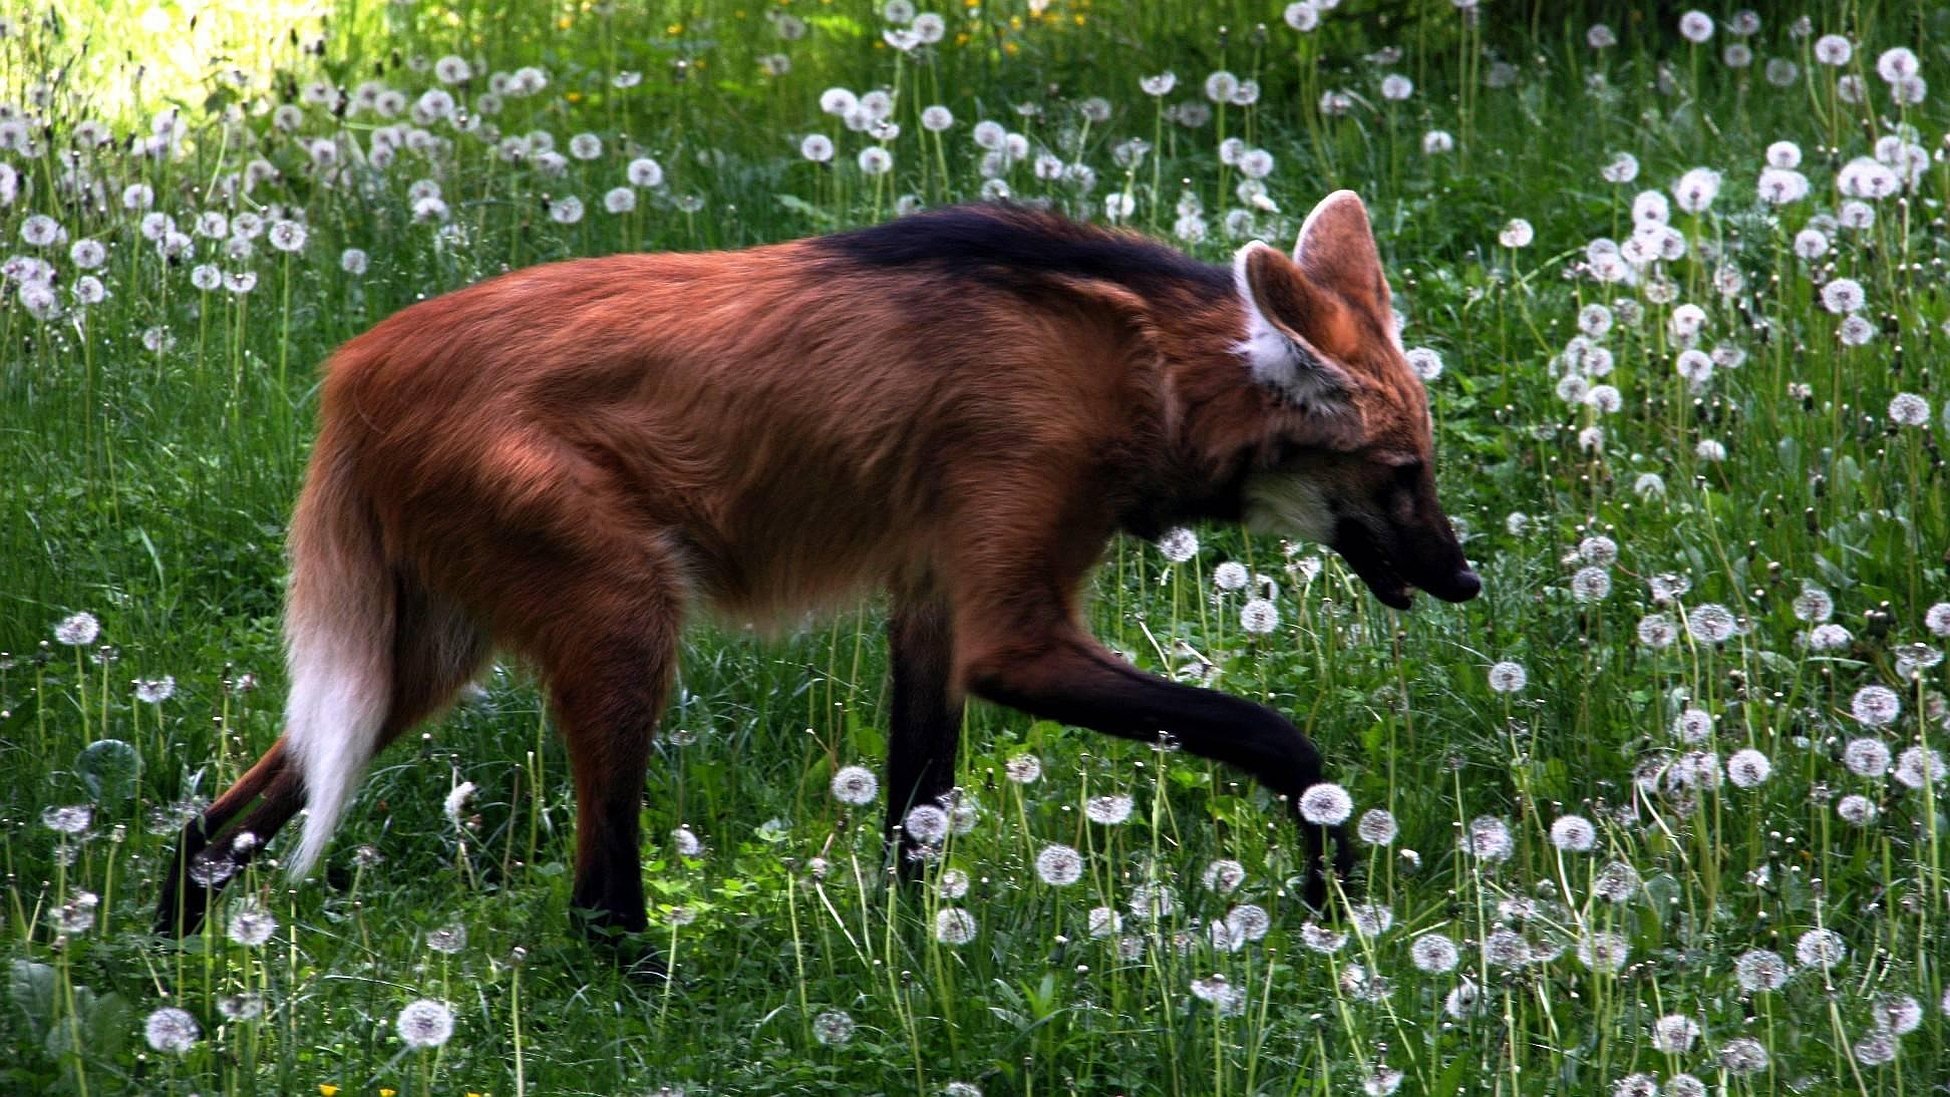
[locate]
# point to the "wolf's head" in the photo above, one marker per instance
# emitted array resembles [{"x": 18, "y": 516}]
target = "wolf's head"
[{"x": 1351, "y": 462}]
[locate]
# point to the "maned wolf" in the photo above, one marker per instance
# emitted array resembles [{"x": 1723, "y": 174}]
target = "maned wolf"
[{"x": 961, "y": 407}]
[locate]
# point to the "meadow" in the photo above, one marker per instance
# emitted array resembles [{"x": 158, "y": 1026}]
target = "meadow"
[{"x": 1662, "y": 812}]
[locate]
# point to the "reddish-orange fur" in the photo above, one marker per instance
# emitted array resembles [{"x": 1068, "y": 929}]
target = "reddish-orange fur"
[{"x": 559, "y": 460}]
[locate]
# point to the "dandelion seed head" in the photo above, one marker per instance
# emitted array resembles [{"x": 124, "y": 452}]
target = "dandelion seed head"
[
  {"x": 1231, "y": 575},
  {"x": 833, "y": 1028},
  {"x": 1590, "y": 584},
  {"x": 1711, "y": 623},
  {"x": 1434, "y": 954},
  {"x": 1573, "y": 834},
  {"x": 1250, "y": 921},
  {"x": 1875, "y": 1049},
  {"x": 252, "y": 925},
  {"x": 1603, "y": 950},
  {"x": 1426, "y": 363},
  {"x": 172, "y": 1030},
  {"x": 1111, "y": 810},
  {"x": 1059, "y": 865},
  {"x": 1857, "y": 810},
  {"x": 1178, "y": 545},
  {"x": 1507, "y": 949},
  {"x": 1617, "y": 882},
  {"x": 1223, "y": 876},
  {"x": 1875, "y": 706},
  {"x": 448, "y": 940},
  {"x": 1917, "y": 766},
  {"x": 1819, "y": 948},
  {"x": 1657, "y": 631},
  {"x": 1377, "y": 827},
  {"x": 1216, "y": 989},
  {"x": 1758, "y": 970},
  {"x": 1829, "y": 637},
  {"x": 1508, "y": 677},
  {"x": 1462, "y": 1001},
  {"x": 855, "y": 785},
  {"x": 1105, "y": 922},
  {"x": 1899, "y": 1013},
  {"x": 1488, "y": 839},
  {"x": 926, "y": 824},
  {"x": 1152, "y": 902},
  {"x": 1319, "y": 938},
  {"x": 1693, "y": 726},
  {"x": 1326, "y": 804},
  {"x": 1937, "y": 619},
  {"x": 71, "y": 819},
  {"x": 78, "y": 629},
  {"x": 1748, "y": 768},
  {"x": 954, "y": 926}
]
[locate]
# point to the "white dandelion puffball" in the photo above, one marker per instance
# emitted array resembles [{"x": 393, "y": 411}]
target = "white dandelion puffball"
[
  {"x": 1876, "y": 706},
  {"x": 833, "y": 1027},
  {"x": 1377, "y": 827},
  {"x": 171, "y": 1029},
  {"x": 1059, "y": 866},
  {"x": 1508, "y": 677},
  {"x": 1178, "y": 545},
  {"x": 251, "y": 926},
  {"x": 1023, "y": 769},
  {"x": 425, "y": 1023},
  {"x": 1748, "y": 768},
  {"x": 1109, "y": 810},
  {"x": 1434, "y": 953},
  {"x": 1760, "y": 969},
  {"x": 954, "y": 926},
  {"x": 1819, "y": 948},
  {"x": 1259, "y": 616},
  {"x": 1326, "y": 805},
  {"x": 927, "y": 824},
  {"x": 855, "y": 785},
  {"x": 78, "y": 630},
  {"x": 1488, "y": 838},
  {"x": 1573, "y": 834},
  {"x": 1426, "y": 363}
]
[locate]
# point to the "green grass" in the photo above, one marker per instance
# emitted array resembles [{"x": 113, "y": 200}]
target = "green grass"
[{"x": 148, "y": 481}]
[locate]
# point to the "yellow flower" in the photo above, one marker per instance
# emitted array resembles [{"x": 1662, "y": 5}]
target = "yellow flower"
[
  {"x": 387, "y": 1091},
  {"x": 564, "y": 23},
  {"x": 674, "y": 29},
  {"x": 327, "y": 1089}
]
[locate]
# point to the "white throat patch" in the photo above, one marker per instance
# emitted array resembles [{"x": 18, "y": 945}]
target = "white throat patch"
[{"x": 1288, "y": 504}]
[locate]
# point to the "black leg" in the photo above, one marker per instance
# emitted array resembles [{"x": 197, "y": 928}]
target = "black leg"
[
  {"x": 1069, "y": 677},
  {"x": 927, "y": 713},
  {"x": 205, "y": 859}
]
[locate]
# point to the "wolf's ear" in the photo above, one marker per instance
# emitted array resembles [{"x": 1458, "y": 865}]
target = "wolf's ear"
[
  {"x": 1336, "y": 250},
  {"x": 1286, "y": 318}
]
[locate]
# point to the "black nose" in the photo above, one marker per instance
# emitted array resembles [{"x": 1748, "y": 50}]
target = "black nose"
[{"x": 1463, "y": 587}]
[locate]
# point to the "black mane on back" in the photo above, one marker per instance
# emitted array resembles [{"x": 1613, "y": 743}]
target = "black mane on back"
[{"x": 1010, "y": 246}]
